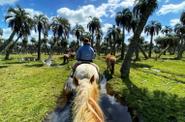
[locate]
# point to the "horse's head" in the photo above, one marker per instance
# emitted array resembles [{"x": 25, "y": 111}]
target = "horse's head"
[{"x": 88, "y": 84}]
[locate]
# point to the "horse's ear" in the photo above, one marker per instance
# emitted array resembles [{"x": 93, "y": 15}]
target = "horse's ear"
[
  {"x": 76, "y": 82},
  {"x": 92, "y": 79}
]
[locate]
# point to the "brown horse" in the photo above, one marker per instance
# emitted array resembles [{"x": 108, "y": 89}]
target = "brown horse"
[
  {"x": 110, "y": 60},
  {"x": 69, "y": 55}
]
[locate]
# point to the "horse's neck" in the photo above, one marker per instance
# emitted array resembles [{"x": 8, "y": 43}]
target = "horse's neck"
[{"x": 85, "y": 106}]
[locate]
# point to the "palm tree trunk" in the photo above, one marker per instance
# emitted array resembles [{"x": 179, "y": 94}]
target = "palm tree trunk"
[
  {"x": 122, "y": 44},
  {"x": 137, "y": 53},
  {"x": 8, "y": 42},
  {"x": 162, "y": 52},
  {"x": 143, "y": 52},
  {"x": 151, "y": 46},
  {"x": 125, "y": 68},
  {"x": 10, "y": 48},
  {"x": 39, "y": 46},
  {"x": 181, "y": 50}
]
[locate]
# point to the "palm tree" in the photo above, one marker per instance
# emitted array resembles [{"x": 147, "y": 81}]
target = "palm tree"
[
  {"x": 166, "y": 30},
  {"x": 78, "y": 31},
  {"x": 61, "y": 28},
  {"x": 152, "y": 29},
  {"x": 21, "y": 24},
  {"x": 113, "y": 35},
  {"x": 141, "y": 11},
  {"x": 166, "y": 43},
  {"x": 180, "y": 31},
  {"x": 93, "y": 26},
  {"x": 41, "y": 25},
  {"x": 124, "y": 20}
]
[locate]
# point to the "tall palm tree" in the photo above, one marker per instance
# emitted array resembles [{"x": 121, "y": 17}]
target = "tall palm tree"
[
  {"x": 114, "y": 35},
  {"x": 152, "y": 29},
  {"x": 166, "y": 30},
  {"x": 21, "y": 24},
  {"x": 93, "y": 26},
  {"x": 78, "y": 31},
  {"x": 41, "y": 25},
  {"x": 61, "y": 28},
  {"x": 124, "y": 20},
  {"x": 141, "y": 11}
]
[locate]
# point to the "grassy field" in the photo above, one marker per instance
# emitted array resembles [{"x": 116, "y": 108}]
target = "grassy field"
[
  {"x": 28, "y": 90},
  {"x": 156, "y": 89}
]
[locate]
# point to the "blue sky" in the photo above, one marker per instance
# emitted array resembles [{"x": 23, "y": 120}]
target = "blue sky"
[{"x": 78, "y": 11}]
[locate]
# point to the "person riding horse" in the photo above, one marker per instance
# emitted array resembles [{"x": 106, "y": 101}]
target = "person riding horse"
[{"x": 85, "y": 54}]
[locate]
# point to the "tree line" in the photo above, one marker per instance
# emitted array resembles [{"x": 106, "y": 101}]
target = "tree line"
[{"x": 133, "y": 21}]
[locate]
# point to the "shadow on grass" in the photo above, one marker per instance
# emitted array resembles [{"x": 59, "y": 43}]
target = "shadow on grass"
[
  {"x": 3, "y": 67},
  {"x": 34, "y": 65},
  {"x": 107, "y": 75},
  {"x": 154, "y": 107},
  {"x": 140, "y": 65},
  {"x": 15, "y": 62}
]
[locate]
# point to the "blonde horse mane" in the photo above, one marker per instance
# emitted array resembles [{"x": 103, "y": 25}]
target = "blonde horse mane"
[{"x": 85, "y": 106}]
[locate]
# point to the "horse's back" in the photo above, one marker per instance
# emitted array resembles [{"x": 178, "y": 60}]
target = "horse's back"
[{"x": 86, "y": 71}]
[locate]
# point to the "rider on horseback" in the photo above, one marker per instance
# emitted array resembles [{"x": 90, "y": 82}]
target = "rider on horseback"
[{"x": 85, "y": 54}]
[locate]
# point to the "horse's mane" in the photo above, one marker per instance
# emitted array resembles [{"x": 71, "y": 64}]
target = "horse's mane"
[{"x": 85, "y": 107}]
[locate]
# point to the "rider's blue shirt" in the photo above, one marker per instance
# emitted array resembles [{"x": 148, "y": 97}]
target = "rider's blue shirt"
[{"x": 85, "y": 53}]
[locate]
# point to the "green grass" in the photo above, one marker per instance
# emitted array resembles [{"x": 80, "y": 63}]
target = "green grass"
[
  {"x": 157, "y": 95},
  {"x": 28, "y": 90}
]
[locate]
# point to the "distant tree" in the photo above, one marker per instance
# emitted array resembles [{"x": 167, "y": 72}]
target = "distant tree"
[
  {"x": 166, "y": 30},
  {"x": 61, "y": 28},
  {"x": 113, "y": 35},
  {"x": 166, "y": 43},
  {"x": 41, "y": 25},
  {"x": 152, "y": 29},
  {"x": 93, "y": 26},
  {"x": 78, "y": 30}
]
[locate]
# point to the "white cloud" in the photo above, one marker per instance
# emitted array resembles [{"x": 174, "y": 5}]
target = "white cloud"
[
  {"x": 5, "y": 2},
  {"x": 81, "y": 15},
  {"x": 105, "y": 27},
  {"x": 174, "y": 21},
  {"x": 171, "y": 8},
  {"x": 6, "y": 33},
  {"x": 32, "y": 12}
]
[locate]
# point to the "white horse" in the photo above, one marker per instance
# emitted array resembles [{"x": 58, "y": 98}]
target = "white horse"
[{"x": 83, "y": 71}]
